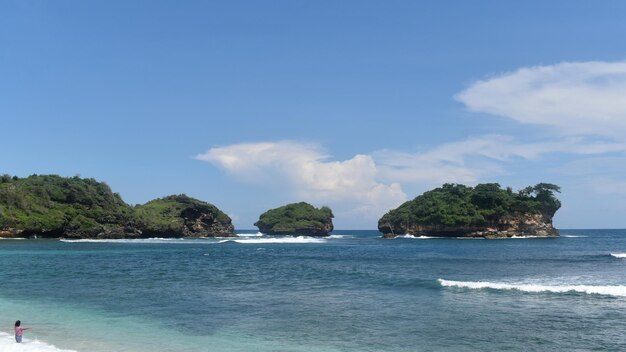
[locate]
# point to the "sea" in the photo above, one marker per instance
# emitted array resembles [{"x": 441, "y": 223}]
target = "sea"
[{"x": 352, "y": 291}]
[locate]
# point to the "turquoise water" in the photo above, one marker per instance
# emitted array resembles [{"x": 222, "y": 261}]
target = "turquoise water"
[{"x": 351, "y": 292}]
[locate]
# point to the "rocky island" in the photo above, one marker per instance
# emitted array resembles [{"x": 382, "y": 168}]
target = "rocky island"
[
  {"x": 51, "y": 206},
  {"x": 486, "y": 210},
  {"x": 296, "y": 219}
]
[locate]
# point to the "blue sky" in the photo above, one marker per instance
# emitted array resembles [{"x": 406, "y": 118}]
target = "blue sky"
[{"x": 358, "y": 105}]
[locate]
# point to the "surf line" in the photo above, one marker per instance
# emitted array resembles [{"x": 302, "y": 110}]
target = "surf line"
[{"x": 616, "y": 290}]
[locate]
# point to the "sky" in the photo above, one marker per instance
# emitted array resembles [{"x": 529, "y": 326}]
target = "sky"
[{"x": 357, "y": 105}]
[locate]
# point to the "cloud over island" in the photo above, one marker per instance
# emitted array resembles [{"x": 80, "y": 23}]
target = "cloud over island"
[
  {"x": 306, "y": 171},
  {"x": 582, "y": 106}
]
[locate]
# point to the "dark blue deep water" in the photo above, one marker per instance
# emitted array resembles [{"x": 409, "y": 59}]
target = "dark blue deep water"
[{"x": 351, "y": 292}]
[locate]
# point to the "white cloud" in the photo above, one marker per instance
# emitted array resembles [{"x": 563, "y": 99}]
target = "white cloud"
[
  {"x": 364, "y": 187},
  {"x": 585, "y": 102},
  {"x": 369, "y": 185},
  {"x": 470, "y": 160},
  {"x": 610, "y": 186},
  {"x": 265, "y": 162},
  {"x": 309, "y": 173},
  {"x": 584, "y": 98}
]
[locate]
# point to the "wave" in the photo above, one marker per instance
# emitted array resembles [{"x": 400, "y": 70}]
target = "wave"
[
  {"x": 617, "y": 290},
  {"x": 618, "y": 255},
  {"x": 422, "y": 237},
  {"x": 8, "y": 344},
  {"x": 572, "y": 236},
  {"x": 413, "y": 237},
  {"x": 241, "y": 238},
  {"x": 258, "y": 234},
  {"x": 471, "y": 238},
  {"x": 340, "y": 236},
  {"x": 141, "y": 240},
  {"x": 299, "y": 239},
  {"x": 417, "y": 237}
]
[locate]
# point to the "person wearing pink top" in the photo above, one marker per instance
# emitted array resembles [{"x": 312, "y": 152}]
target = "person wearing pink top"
[{"x": 19, "y": 331}]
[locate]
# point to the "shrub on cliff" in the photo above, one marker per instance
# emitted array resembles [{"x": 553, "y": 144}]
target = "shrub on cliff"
[
  {"x": 173, "y": 214},
  {"x": 455, "y": 205},
  {"x": 49, "y": 204},
  {"x": 296, "y": 219},
  {"x": 54, "y": 206}
]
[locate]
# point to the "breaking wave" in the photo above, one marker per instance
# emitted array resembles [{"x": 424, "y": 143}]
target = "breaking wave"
[
  {"x": 340, "y": 236},
  {"x": 141, "y": 240},
  {"x": 258, "y": 234},
  {"x": 417, "y": 237},
  {"x": 618, "y": 255},
  {"x": 7, "y": 344},
  {"x": 299, "y": 239},
  {"x": 617, "y": 290},
  {"x": 241, "y": 238}
]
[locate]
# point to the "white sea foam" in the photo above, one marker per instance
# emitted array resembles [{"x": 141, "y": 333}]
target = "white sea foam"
[
  {"x": 413, "y": 237},
  {"x": 8, "y": 344},
  {"x": 299, "y": 239},
  {"x": 340, "y": 236},
  {"x": 417, "y": 237},
  {"x": 617, "y": 290},
  {"x": 258, "y": 234},
  {"x": 619, "y": 255},
  {"x": 141, "y": 240},
  {"x": 572, "y": 236}
]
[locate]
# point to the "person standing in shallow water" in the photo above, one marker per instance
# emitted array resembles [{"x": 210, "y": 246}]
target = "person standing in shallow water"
[{"x": 19, "y": 331}]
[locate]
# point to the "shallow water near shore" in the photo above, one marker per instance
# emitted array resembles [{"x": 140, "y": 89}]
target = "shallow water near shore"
[{"x": 351, "y": 292}]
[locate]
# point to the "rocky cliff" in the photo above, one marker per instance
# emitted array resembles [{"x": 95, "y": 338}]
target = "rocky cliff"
[
  {"x": 51, "y": 206},
  {"x": 296, "y": 219},
  {"x": 483, "y": 211},
  {"x": 183, "y": 216}
]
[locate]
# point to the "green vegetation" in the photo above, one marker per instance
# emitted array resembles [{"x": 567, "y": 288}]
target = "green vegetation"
[
  {"x": 296, "y": 219},
  {"x": 169, "y": 215},
  {"x": 54, "y": 206},
  {"x": 455, "y": 205}
]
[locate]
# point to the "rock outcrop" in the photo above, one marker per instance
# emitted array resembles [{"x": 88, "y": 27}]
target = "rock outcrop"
[
  {"x": 183, "y": 216},
  {"x": 484, "y": 211},
  {"x": 296, "y": 219}
]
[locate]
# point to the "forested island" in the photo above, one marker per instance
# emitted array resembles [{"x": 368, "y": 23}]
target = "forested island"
[
  {"x": 486, "y": 210},
  {"x": 297, "y": 219},
  {"x": 52, "y": 206}
]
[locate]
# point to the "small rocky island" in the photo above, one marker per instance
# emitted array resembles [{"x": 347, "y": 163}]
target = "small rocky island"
[
  {"x": 51, "y": 206},
  {"x": 486, "y": 211},
  {"x": 296, "y": 219}
]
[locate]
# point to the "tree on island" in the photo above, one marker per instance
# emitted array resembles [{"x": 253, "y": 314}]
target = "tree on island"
[
  {"x": 55, "y": 206},
  {"x": 458, "y": 208},
  {"x": 299, "y": 219}
]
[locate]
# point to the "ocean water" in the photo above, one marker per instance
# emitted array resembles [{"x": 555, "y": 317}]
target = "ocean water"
[{"x": 351, "y": 292}]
